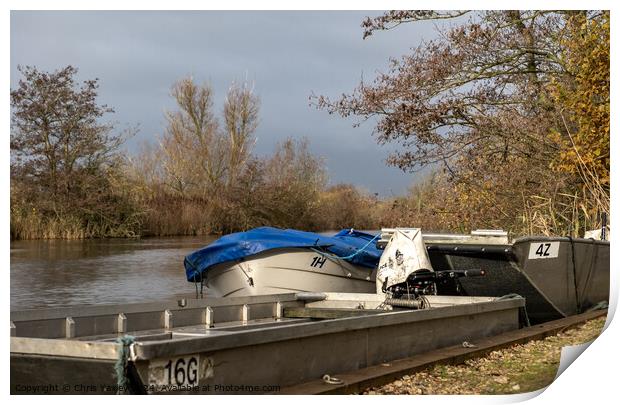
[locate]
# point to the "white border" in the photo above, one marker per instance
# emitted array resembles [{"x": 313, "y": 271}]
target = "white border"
[{"x": 591, "y": 379}]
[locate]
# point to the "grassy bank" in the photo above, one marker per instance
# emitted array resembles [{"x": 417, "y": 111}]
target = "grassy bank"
[
  {"x": 428, "y": 206},
  {"x": 521, "y": 368}
]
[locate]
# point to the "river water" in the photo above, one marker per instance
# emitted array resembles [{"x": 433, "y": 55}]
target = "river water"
[{"x": 56, "y": 273}]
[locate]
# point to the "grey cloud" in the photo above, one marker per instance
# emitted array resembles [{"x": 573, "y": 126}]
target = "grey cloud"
[{"x": 138, "y": 55}]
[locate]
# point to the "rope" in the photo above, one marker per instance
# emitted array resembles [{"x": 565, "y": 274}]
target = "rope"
[
  {"x": 468, "y": 345},
  {"x": 332, "y": 380},
  {"x": 522, "y": 310},
  {"x": 196, "y": 273},
  {"x": 600, "y": 305},
  {"x": 349, "y": 257},
  {"x": 405, "y": 303},
  {"x": 577, "y": 298},
  {"x": 194, "y": 278},
  {"x": 121, "y": 363},
  {"x": 591, "y": 270}
]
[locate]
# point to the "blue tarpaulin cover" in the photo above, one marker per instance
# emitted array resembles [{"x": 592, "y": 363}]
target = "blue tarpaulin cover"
[{"x": 237, "y": 246}]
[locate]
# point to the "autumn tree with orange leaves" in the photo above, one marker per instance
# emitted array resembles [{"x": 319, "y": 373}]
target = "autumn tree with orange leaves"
[{"x": 511, "y": 106}]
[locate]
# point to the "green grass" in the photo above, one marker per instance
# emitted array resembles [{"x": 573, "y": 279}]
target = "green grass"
[{"x": 521, "y": 368}]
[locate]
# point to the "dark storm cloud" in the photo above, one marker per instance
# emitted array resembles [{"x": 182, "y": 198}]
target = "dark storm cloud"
[{"x": 287, "y": 55}]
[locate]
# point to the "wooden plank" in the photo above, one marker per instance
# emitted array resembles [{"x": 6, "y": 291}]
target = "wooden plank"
[
  {"x": 327, "y": 313},
  {"x": 385, "y": 373}
]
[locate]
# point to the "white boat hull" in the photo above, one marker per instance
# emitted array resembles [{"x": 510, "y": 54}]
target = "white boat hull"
[{"x": 288, "y": 270}]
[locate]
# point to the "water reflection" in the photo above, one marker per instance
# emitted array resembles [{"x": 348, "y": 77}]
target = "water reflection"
[{"x": 62, "y": 273}]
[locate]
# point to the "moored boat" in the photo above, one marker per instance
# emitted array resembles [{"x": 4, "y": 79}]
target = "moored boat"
[
  {"x": 558, "y": 276},
  {"x": 257, "y": 344},
  {"x": 269, "y": 261}
]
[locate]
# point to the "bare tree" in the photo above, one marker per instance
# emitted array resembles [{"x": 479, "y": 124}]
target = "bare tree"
[
  {"x": 65, "y": 163},
  {"x": 293, "y": 180},
  {"x": 57, "y": 138},
  {"x": 200, "y": 158},
  {"x": 194, "y": 150},
  {"x": 241, "y": 119}
]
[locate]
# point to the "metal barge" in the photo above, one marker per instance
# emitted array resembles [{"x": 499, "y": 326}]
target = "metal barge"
[
  {"x": 558, "y": 276},
  {"x": 258, "y": 344}
]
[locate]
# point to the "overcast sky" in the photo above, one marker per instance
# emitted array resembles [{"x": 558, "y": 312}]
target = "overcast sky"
[{"x": 137, "y": 56}]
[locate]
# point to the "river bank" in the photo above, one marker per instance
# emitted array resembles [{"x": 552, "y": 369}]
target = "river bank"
[{"x": 521, "y": 368}]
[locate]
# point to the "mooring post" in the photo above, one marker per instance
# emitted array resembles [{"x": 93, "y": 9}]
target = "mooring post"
[
  {"x": 13, "y": 329},
  {"x": 209, "y": 317},
  {"x": 279, "y": 310},
  {"x": 167, "y": 319},
  {"x": 121, "y": 323},
  {"x": 245, "y": 313},
  {"x": 69, "y": 328}
]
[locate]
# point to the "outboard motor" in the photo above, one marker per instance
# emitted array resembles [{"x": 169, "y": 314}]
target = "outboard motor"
[{"x": 405, "y": 269}]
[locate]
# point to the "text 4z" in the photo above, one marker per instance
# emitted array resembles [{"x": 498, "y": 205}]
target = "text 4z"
[{"x": 543, "y": 249}]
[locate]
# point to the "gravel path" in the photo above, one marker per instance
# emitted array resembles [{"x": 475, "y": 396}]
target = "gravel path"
[{"x": 521, "y": 368}]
